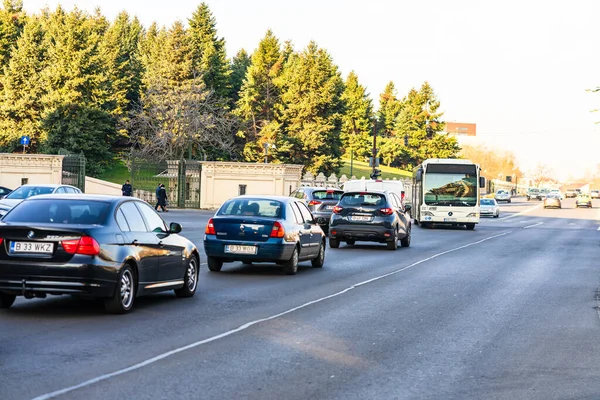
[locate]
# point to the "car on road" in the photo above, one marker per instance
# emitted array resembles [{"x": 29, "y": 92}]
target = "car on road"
[
  {"x": 320, "y": 202},
  {"x": 572, "y": 193},
  {"x": 543, "y": 193},
  {"x": 595, "y": 194},
  {"x": 373, "y": 216},
  {"x": 252, "y": 228},
  {"x": 552, "y": 200},
  {"x": 556, "y": 192},
  {"x": 583, "y": 200},
  {"x": 489, "y": 207},
  {"x": 25, "y": 191},
  {"x": 4, "y": 191},
  {"x": 532, "y": 193},
  {"x": 502, "y": 195},
  {"x": 109, "y": 247}
]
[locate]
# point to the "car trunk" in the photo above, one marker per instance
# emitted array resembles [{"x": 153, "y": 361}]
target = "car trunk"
[{"x": 243, "y": 229}]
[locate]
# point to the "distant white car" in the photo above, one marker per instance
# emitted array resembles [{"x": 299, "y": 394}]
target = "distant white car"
[
  {"x": 557, "y": 192},
  {"x": 25, "y": 191},
  {"x": 489, "y": 207},
  {"x": 502, "y": 195}
]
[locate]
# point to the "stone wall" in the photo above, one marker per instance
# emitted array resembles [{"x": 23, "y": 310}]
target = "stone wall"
[
  {"x": 97, "y": 186},
  {"x": 16, "y": 169}
]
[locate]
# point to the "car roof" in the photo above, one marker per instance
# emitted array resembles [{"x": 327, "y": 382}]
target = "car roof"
[
  {"x": 283, "y": 199},
  {"x": 52, "y": 185},
  {"x": 83, "y": 196}
]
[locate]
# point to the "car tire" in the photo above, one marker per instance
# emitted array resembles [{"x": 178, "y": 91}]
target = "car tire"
[
  {"x": 393, "y": 245},
  {"x": 7, "y": 300},
  {"x": 214, "y": 264},
  {"x": 425, "y": 225},
  {"x": 497, "y": 215},
  {"x": 190, "y": 279},
  {"x": 470, "y": 227},
  {"x": 405, "y": 242},
  {"x": 291, "y": 266},
  {"x": 122, "y": 300},
  {"x": 334, "y": 243},
  {"x": 320, "y": 259},
  {"x": 350, "y": 242},
  {"x": 509, "y": 201}
]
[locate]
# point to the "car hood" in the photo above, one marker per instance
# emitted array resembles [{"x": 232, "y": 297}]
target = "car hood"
[{"x": 9, "y": 203}]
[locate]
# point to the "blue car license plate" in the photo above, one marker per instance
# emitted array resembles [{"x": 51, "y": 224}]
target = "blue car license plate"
[{"x": 240, "y": 249}]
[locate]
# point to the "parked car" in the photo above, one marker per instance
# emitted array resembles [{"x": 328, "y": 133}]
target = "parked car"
[
  {"x": 489, "y": 207},
  {"x": 25, "y": 191},
  {"x": 572, "y": 193},
  {"x": 583, "y": 200},
  {"x": 374, "y": 216},
  {"x": 264, "y": 229},
  {"x": 532, "y": 194},
  {"x": 320, "y": 202},
  {"x": 552, "y": 200},
  {"x": 595, "y": 194},
  {"x": 502, "y": 195},
  {"x": 4, "y": 191},
  {"x": 110, "y": 247}
]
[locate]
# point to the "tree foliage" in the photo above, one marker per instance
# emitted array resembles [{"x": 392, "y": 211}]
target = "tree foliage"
[
  {"x": 495, "y": 164},
  {"x": 357, "y": 120}
]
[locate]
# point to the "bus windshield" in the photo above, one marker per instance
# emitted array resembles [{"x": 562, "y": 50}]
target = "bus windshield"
[{"x": 450, "y": 189}]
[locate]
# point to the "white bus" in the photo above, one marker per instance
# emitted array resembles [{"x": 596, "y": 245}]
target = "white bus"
[{"x": 446, "y": 191}]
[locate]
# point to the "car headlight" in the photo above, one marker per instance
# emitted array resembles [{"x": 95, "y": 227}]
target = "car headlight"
[{"x": 427, "y": 214}]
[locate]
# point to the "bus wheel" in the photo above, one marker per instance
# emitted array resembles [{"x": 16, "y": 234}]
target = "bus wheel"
[
  {"x": 470, "y": 227},
  {"x": 425, "y": 225}
]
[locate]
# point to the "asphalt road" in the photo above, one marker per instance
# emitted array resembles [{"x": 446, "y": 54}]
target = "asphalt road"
[{"x": 507, "y": 311}]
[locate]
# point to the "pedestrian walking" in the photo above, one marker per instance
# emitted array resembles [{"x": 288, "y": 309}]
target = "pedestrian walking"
[
  {"x": 126, "y": 189},
  {"x": 157, "y": 191},
  {"x": 162, "y": 198}
]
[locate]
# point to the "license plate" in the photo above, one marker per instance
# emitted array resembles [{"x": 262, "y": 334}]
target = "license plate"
[
  {"x": 450, "y": 219},
  {"x": 240, "y": 249},
  {"x": 31, "y": 247},
  {"x": 360, "y": 218},
  {"x": 329, "y": 207}
]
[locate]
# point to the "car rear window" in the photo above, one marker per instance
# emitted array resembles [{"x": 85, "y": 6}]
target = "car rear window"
[
  {"x": 79, "y": 212},
  {"x": 252, "y": 207},
  {"x": 486, "y": 202},
  {"x": 328, "y": 194},
  {"x": 362, "y": 199},
  {"x": 25, "y": 192}
]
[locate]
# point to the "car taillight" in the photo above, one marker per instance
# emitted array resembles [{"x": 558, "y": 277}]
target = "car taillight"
[
  {"x": 402, "y": 194},
  {"x": 210, "y": 228},
  {"x": 85, "y": 245},
  {"x": 314, "y": 202},
  {"x": 337, "y": 209},
  {"x": 277, "y": 231},
  {"x": 386, "y": 211}
]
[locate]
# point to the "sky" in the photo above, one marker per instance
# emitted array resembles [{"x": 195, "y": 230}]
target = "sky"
[{"x": 519, "y": 69}]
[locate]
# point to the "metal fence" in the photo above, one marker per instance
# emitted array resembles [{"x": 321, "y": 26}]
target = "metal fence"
[{"x": 73, "y": 169}]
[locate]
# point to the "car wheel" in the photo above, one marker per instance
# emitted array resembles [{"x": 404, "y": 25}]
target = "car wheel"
[
  {"x": 6, "y": 300},
  {"x": 350, "y": 242},
  {"x": 509, "y": 201},
  {"x": 291, "y": 267},
  {"x": 406, "y": 241},
  {"x": 122, "y": 301},
  {"x": 393, "y": 245},
  {"x": 190, "y": 279},
  {"x": 214, "y": 264},
  {"x": 470, "y": 226},
  {"x": 497, "y": 215},
  {"x": 425, "y": 225},
  {"x": 334, "y": 243},
  {"x": 320, "y": 260}
]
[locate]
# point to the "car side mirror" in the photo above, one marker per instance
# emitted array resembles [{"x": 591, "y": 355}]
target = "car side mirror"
[
  {"x": 407, "y": 207},
  {"x": 174, "y": 227}
]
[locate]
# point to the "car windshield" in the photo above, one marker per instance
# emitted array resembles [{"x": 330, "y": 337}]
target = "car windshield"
[
  {"x": 486, "y": 202},
  {"x": 450, "y": 189},
  {"x": 328, "y": 194},
  {"x": 252, "y": 207},
  {"x": 25, "y": 192},
  {"x": 79, "y": 212},
  {"x": 362, "y": 199}
]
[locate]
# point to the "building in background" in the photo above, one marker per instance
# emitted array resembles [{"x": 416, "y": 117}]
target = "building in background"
[{"x": 461, "y": 129}]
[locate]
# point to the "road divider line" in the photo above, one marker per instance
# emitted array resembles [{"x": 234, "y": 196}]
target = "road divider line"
[
  {"x": 598, "y": 228},
  {"x": 252, "y": 323},
  {"x": 528, "y": 210},
  {"x": 531, "y": 226}
]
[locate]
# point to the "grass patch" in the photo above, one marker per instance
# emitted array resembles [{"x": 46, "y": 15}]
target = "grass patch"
[
  {"x": 144, "y": 179},
  {"x": 361, "y": 168},
  {"x": 118, "y": 173}
]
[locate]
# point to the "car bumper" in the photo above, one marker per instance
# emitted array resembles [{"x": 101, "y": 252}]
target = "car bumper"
[
  {"x": 272, "y": 250},
  {"x": 29, "y": 279},
  {"x": 365, "y": 233},
  {"x": 487, "y": 212}
]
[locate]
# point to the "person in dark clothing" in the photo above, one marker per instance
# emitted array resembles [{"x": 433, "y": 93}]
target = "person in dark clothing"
[
  {"x": 162, "y": 199},
  {"x": 157, "y": 191},
  {"x": 127, "y": 189}
]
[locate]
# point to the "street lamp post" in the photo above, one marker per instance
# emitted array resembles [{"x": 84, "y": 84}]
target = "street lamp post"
[{"x": 267, "y": 145}]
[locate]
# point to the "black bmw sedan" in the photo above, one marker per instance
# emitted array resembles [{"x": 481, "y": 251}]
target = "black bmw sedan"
[{"x": 115, "y": 248}]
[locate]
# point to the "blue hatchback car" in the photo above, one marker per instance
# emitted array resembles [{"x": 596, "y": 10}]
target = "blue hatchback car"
[{"x": 264, "y": 229}]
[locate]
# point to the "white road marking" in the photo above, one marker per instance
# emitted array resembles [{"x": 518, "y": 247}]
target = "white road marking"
[
  {"x": 250, "y": 324},
  {"x": 531, "y": 226},
  {"x": 524, "y": 211},
  {"x": 598, "y": 228}
]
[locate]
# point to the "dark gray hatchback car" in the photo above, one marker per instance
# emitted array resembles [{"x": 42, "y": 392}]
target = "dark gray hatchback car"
[
  {"x": 374, "y": 216},
  {"x": 320, "y": 202}
]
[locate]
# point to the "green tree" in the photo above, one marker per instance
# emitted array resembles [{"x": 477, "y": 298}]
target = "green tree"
[
  {"x": 208, "y": 51},
  {"x": 260, "y": 96},
  {"x": 357, "y": 118},
  {"x": 389, "y": 109},
  {"x": 311, "y": 115},
  {"x": 12, "y": 21},
  {"x": 21, "y": 107},
  {"x": 239, "y": 66}
]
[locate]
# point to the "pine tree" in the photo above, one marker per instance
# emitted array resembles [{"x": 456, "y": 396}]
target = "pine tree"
[
  {"x": 259, "y": 97},
  {"x": 12, "y": 21},
  {"x": 312, "y": 111},
  {"x": 389, "y": 109},
  {"x": 208, "y": 51},
  {"x": 20, "y": 106},
  {"x": 239, "y": 66},
  {"x": 357, "y": 118}
]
